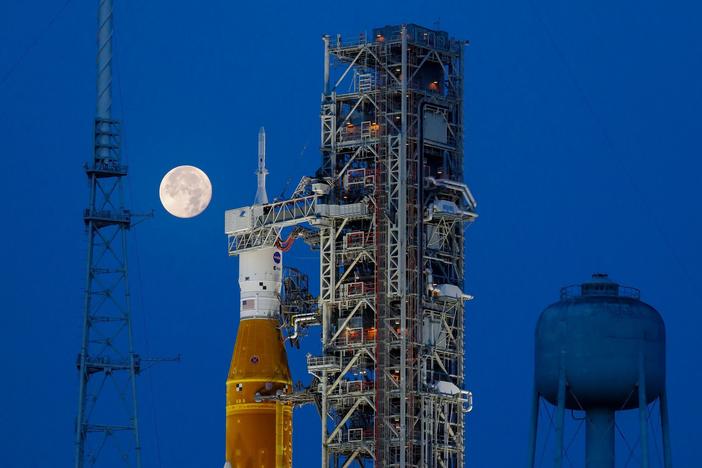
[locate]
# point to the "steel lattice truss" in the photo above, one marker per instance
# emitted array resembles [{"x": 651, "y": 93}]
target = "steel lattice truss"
[
  {"x": 392, "y": 123},
  {"x": 106, "y": 427}
]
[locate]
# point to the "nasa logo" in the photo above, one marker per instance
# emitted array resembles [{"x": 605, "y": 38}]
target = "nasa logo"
[{"x": 276, "y": 256}]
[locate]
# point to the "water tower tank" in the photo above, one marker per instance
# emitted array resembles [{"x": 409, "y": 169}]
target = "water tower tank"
[
  {"x": 599, "y": 349},
  {"x": 600, "y": 334}
]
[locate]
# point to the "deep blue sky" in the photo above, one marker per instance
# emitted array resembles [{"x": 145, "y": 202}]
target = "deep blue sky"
[{"x": 582, "y": 148}]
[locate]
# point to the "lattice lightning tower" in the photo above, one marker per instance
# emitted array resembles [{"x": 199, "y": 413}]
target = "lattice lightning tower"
[{"x": 107, "y": 430}]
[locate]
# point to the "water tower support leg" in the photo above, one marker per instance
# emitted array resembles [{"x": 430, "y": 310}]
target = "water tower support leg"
[
  {"x": 560, "y": 417},
  {"x": 643, "y": 413},
  {"x": 534, "y": 427},
  {"x": 665, "y": 429},
  {"x": 599, "y": 438}
]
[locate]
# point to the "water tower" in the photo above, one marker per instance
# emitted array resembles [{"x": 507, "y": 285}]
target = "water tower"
[{"x": 600, "y": 350}]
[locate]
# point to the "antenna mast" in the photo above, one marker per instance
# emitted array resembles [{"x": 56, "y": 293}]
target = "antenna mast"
[{"x": 107, "y": 426}]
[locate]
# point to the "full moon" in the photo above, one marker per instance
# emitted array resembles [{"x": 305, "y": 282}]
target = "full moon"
[{"x": 185, "y": 191}]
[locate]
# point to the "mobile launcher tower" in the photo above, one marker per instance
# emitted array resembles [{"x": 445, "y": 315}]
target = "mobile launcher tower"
[{"x": 387, "y": 211}]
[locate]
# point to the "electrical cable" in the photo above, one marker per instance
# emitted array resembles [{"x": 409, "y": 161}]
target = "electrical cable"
[{"x": 6, "y": 76}]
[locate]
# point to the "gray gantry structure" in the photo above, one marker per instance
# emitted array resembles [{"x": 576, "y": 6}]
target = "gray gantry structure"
[
  {"x": 387, "y": 211},
  {"x": 107, "y": 427}
]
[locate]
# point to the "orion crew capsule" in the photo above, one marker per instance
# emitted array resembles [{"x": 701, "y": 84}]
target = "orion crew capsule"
[{"x": 259, "y": 433}]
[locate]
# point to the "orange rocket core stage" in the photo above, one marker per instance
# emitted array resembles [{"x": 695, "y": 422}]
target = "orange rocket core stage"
[{"x": 258, "y": 435}]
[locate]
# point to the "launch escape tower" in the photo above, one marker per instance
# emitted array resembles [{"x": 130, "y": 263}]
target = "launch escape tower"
[
  {"x": 387, "y": 211},
  {"x": 106, "y": 427}
]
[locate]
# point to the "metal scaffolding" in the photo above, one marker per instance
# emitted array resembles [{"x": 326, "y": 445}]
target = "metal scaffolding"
[{"x": 387, "y": 212}]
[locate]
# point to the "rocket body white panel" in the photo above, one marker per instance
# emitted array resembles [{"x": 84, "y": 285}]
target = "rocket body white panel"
[{"x": 260, "y": 280}]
